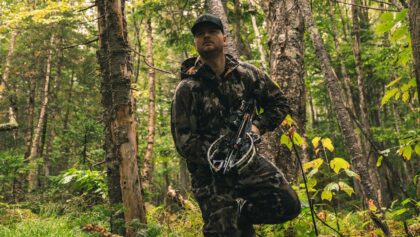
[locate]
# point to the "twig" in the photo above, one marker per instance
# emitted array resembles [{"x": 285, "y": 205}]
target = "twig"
[
  {"x": 387, "y": 3},
  {"x": 75, "y": 45},
  {"x": 148, "y": 64},
  {"x": 371, "y": 8},
  {"x": 86, "y": 8}
]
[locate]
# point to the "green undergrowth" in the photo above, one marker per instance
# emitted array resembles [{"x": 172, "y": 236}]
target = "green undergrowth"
[{"x": 68, "y": 219}]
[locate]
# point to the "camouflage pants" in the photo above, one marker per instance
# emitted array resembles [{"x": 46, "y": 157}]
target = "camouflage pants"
[{"x": 230, "y": 204}]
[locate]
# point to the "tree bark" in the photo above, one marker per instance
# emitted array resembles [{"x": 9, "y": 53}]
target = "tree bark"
[
  {"x": 258, "y": 37},
  {"x": 12, "y": 124},
  {"x": 241, "y": 47},
  {"x": 343, "y": 117},
  {"x": 414, "y": 16},
  {"x": 148, "y": 156},
  {"x": 370, "y": 156},
  {"x": 34, "y": 152},
  {"x": 287, "y": 69},
  {"x": 215, "y": 7},
  {"x": 120, "y": 123}
]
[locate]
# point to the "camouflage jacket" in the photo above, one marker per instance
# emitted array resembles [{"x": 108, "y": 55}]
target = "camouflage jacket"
[{"x": 199, "y": 116}]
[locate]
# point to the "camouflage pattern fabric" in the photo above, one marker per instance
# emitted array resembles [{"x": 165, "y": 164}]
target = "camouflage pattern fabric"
[{"x": 203, "y": 108}]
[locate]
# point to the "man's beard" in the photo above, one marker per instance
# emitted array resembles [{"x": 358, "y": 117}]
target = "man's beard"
[{"x": 210, "y": 53}]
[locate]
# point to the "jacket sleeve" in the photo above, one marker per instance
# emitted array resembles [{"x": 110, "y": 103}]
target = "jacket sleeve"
[
  {"x": 274, "y": 104},
  {"x": 188, "y": 142}
]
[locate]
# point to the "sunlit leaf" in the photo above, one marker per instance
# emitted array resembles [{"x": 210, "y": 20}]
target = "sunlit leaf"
[
  {"x": 285, "y": 140},
  {"x": 326, "y": 195},
  {"x": 393, "y": 82},
  {"x": 379, "y": 161},
  {"x": 332, "y": 187},
  {"x": 406, "y": 152},
  {"x": 399, "y": 212},
  {"x": 339, "y": 163},
  {"x": 417, "y": 148},
  {"x": 346, "y": 188},
  {"x": 312, "y": 173},
  {"x": 405, "y": 96},
  {"x": 315, "y": 164},
  {"x": 327, "y": 143},
  {"x": 297, "y": 139},
  {"x": 388, "y": 95},
  {"x": 315, "y": 142},
  {"x": 351, "y": 173},
  {"x": 372, "y": 206}
]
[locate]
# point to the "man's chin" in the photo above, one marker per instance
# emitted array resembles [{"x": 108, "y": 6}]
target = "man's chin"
[{"x": 209, "y": 52}]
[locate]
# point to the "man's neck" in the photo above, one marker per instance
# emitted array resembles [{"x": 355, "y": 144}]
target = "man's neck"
[{"x": 216, "y": 63}]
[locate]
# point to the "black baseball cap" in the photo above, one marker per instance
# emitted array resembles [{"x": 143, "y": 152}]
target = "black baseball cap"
[{"x": 207, "y": 18}]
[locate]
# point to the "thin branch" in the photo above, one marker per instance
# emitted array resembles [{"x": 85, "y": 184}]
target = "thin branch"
[
  {"x": 86, "y": 8},
  {"x": 387, "y": 3},
  {"x": 147, "y": 63},
  {"x": 370, "y": 8},
  {"x": 85, "y": 43}
]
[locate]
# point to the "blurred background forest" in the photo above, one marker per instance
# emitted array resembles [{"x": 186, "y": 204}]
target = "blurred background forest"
[{"x": 350, "y": 69}]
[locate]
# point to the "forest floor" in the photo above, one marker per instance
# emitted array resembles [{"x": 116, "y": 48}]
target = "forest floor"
[{"x": 74, "y": 219}]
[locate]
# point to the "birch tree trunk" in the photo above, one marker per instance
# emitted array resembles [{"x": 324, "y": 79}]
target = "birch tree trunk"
[
  {"x": 343, "y": 117},
  {"x": 148, "y": 156},
  {"x": 215, "y": 7},
  {"x": 287, "y": 69},
  {"x": 258, "y": 37},
  {"x": 34, "y": 152},
  {"x": 12, "y": 124},
  {"x": 414, "y": 16},
  {"x": 120, "y": 123}
]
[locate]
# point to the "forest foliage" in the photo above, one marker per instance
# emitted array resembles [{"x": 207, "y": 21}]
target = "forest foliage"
[{"x": 58, "y": 40}]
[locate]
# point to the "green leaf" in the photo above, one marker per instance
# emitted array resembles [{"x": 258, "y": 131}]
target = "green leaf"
[
  {"x": 399, "y": 212},
  {"x": 285, "y": 140},
  {"x": 311, "y": 185},
  {"x": 327, "y": 143},
  {"x": 312, "y": 173},
  {"x": 406, "y": 152},
  {"x": 339, "y": 163},
  {"x": 315, "y": 142},
  {"x": 398, "y": 34},
  {"x": 297, "y": 139},
  {"x": 417, "y": 148},
  {"x": 346, "y": 188},
  {"x": 326, "y": 195},
  {"x": 315, "y": 164},
  {"x": 379, "y": 161},
  {"x": 332, "y": 187},
  {"x": 405, "y": 201},
  {"x": 388, "y": 95},
  {"x": 393, "y": 82},
  {"x": 405, "y": 96}
]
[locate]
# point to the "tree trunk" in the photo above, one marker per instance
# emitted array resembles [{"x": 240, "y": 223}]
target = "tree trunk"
[
  {"x": 287, "y": 68},
  {"x": 215, "y": 7},
  {"x": 12, "y": 124},
  {"x": 368, "y": 150},
  {"x": 34, "y": 152},
  {"x": 343, "y": 117},
  {"x": 241, "y": 47},
  {"x": 148, "y": 156},
  {"x": 414, "y": 16},
  {"x": 258, "y": 37},
  {"x": 64, "y": 161},
  {"x": 120, "y": 123}
]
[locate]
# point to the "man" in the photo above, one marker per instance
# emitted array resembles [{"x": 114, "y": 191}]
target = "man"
[{"x": 206, "y": 101}]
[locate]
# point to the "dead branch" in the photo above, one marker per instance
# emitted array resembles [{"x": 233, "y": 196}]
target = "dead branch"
[{"x": 370, "y": 8}]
